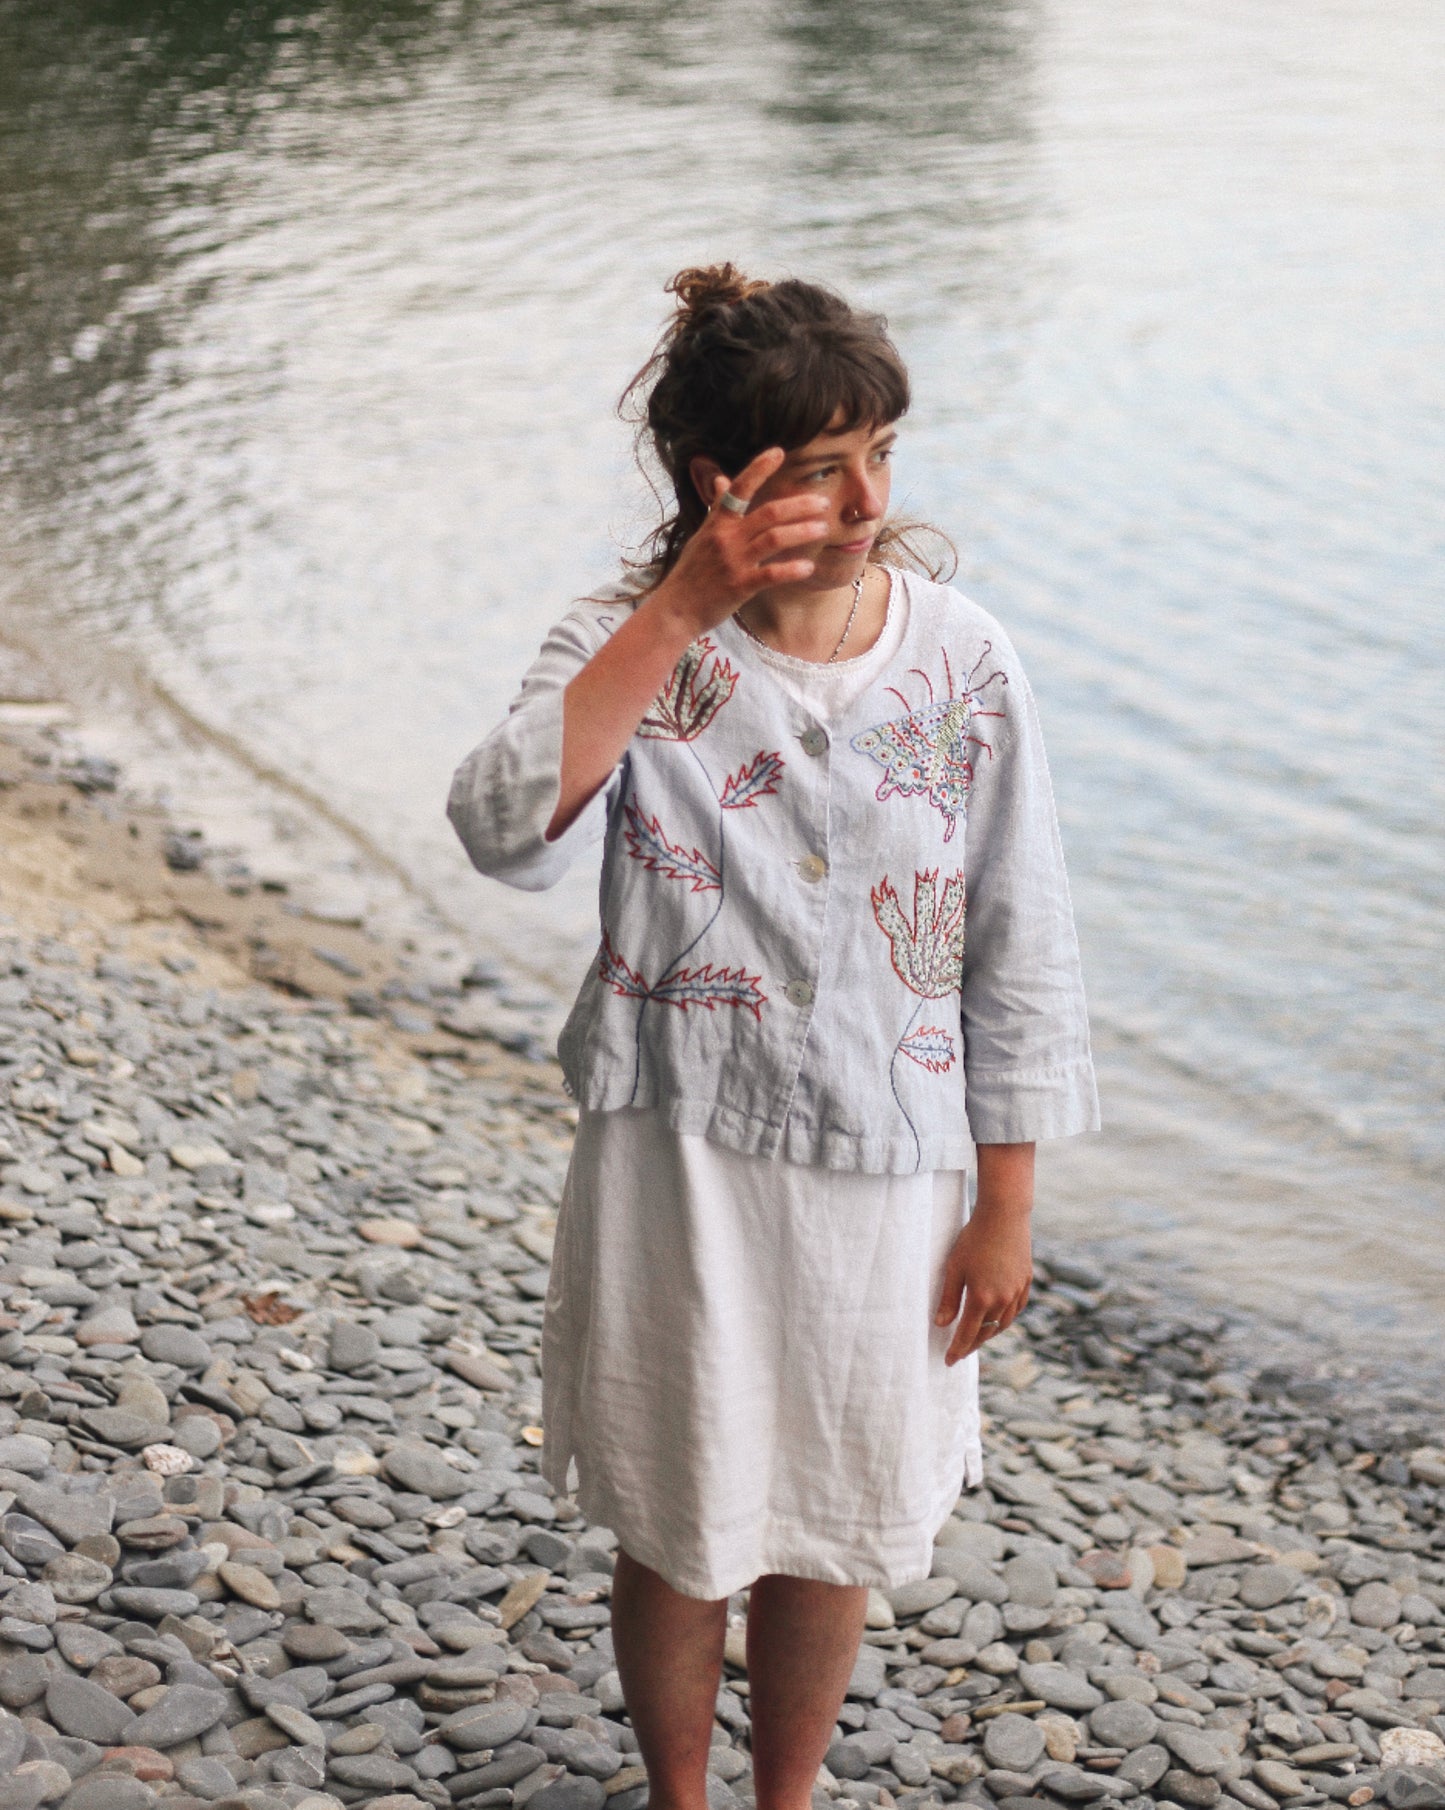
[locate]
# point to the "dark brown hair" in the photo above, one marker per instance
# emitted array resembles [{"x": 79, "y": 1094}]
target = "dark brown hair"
[{"x": 743, "y": 366}]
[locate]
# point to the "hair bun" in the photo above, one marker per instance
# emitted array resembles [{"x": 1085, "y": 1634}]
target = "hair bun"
[{"x": 701, "y": 288}]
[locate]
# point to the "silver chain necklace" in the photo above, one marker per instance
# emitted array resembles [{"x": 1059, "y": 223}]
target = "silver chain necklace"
[{"x": 847, "y": 626}]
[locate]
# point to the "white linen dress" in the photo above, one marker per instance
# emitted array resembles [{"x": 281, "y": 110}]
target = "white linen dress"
[{"x": 741, "y": 1374}]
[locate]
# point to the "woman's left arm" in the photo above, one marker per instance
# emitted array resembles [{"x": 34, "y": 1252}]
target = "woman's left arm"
[{"x": 991, "y": 1266}]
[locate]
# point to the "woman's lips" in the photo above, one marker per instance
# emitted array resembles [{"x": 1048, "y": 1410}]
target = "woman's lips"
[{"x": 854, "y": 546}]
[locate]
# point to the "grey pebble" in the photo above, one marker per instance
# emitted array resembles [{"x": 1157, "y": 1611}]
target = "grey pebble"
[
  {"x": 79, "y": 1707},
  {"x": 1059, "y": 1687},
  {"x": 185, "y": 1711},
  {"x": 1013, "y": 1742},
  {"x": 1123, "y": 1723},
  {"x": 572, "y": 1793}
]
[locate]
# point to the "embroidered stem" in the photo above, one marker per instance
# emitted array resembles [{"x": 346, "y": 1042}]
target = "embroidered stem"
[
  {"x": 893, "y": 1084},
  {"x": 676, "y": 963}
]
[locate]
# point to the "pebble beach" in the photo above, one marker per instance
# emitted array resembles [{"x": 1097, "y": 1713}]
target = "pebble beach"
[{"x": 276, "y": 1208}]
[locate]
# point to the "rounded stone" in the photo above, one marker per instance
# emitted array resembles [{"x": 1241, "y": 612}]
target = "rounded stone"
[
  {"x": 918, "y": 1598},
  {"x": 109, "y": 1791},
  {"x": 972, "y": 1576},
  {"x": 1278, "y": 1779},
  {"x": 76, "y": 1580},
  {"x": 352, "y": 1346},
  {"x": 297, "y": 1724},
  {"x": 1013, "y": 1742},
  {"x": 1059, "y": 1687},
  {"x": 1376, "y": 1605},
  {"x": 1031, "y": 1584},
  {"x": 1144, "y": 1767},
  {"x": 1205, "y": 1751},
  {"x": 186, "y": 1710},
  {"x": 176, "y": 1345},
  {"x": 198, "y": 1435},
  {"x": 249, "y": 1583},
  {"x": 1123, "y": 1724},
  {"x": 1266, "y": 1586},
  {"x": 1190, "y": 1788},
  {"x": 483, "y": 1725},
  {"x": 570, "y": 1793},
  {"x": 425, "y": 1472},
  {"x": 80, "y": 1707},
  {"x": 314, "y": 1643},
  {"x": 36, "y": 1782}
]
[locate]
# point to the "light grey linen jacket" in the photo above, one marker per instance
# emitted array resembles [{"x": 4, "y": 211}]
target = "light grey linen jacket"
[{"x": 784, "y": 966}]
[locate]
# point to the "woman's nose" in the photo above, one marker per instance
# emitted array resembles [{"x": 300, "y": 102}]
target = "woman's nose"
[{"x": 865, "y": 501}]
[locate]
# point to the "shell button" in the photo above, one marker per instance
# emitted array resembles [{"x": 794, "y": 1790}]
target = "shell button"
[
  {"x": 814, "y": 740},
  {"x": 813, "y": 867},
  {"x": 798, "y": 993}
]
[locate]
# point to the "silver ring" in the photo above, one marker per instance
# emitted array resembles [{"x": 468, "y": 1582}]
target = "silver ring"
[
  {"x": 735, "y": 505},
  {"x": 990, "y": 1322}
]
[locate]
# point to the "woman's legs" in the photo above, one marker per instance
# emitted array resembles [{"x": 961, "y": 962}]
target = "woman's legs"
[
  {"x": 802, "y": 1640},
  {"x": 669, "y": 1658}
]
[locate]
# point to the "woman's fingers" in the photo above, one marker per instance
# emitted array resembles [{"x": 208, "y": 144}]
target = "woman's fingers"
[
  {"x": 982, "y": 1319},
  {"x": 755, "y": 474}
]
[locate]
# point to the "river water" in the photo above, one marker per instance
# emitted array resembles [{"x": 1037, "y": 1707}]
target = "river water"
[{"x": 313, "y": 317}]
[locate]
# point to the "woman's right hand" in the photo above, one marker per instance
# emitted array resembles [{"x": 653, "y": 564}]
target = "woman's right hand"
[{"x": 732, "y": 557}]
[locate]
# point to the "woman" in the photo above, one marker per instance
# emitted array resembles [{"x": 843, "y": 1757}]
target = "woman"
[{"x": 768, "y": 1293}]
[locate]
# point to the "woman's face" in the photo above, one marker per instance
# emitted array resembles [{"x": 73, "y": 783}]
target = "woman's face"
[{"x": 851, "y": 469}]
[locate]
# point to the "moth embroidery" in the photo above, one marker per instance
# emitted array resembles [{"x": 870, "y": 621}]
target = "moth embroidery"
[{"x": 925, "y": 752}]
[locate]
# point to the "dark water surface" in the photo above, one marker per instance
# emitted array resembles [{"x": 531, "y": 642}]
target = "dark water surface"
[{"x": 311, "y": 322}]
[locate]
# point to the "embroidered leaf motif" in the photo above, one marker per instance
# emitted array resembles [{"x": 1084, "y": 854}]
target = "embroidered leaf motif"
[
  {"x": 928, "y": 953},
  {"x": 711, "y": 987},
  {"x": 926, "y": 752},
  {"x": 691, "y": 698},
  {"x": 931, "y": 1047},
  {"x": 759, "y": 779},
  {"x": 647, "y": 843},
  {"x": 617, "y": 974}
]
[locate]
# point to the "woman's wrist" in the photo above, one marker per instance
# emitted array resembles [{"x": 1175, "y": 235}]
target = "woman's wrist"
[{"x": 677, "y": 615}]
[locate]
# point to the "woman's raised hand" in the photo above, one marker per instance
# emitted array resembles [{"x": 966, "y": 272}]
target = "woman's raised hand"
[{"x": 733, "y": 556}]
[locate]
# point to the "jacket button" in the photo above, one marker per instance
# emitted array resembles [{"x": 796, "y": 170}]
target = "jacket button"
[
  {"x": 798, "y": 993},
  {"x": 812, "y": 867},
  {"x": 814, "y": 740}
]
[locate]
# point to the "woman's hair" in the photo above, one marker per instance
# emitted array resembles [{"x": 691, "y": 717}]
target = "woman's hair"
[{"x": 743, "y": 366}]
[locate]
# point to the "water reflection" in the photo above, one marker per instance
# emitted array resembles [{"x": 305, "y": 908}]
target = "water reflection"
[{"x": 311, "y": 322}]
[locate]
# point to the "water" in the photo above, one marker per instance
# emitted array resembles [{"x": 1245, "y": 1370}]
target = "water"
[{"x": 313, "y": 320}]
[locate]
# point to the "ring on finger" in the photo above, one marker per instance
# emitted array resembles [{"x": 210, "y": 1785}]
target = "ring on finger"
[
  {"x": 987, "y": 1323},
  {"x": 735, "y": 505}
]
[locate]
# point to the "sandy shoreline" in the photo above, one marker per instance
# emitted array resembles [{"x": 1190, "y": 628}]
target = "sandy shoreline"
[{"x": 276, "y": 1196}]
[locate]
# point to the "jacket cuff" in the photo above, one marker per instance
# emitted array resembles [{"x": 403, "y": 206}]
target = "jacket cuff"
[
  {"x": 1008, "y": 1108},
  {"x": 505, "y": 793}
]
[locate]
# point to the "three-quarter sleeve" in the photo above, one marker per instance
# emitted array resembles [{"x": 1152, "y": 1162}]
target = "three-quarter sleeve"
[
  {"x": 1028, "y": 1070},
  {"x": 505, "y": 792}
]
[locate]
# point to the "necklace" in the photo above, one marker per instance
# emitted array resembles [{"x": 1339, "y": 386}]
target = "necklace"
[{"x": 847, "y": 626}]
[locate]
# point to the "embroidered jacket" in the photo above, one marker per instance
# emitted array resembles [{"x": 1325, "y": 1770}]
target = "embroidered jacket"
[{"x": 849, "y": 945}]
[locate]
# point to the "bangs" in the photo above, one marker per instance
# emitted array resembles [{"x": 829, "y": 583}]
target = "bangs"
[{"x": 816, "y": 388}]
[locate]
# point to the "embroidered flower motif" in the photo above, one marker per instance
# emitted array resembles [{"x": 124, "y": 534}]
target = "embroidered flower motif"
[
  {"x": 928, "y": 953},
  {"x": 647, "y": 843},
  {"x": 931, "y": 1047},
  {"x": 925, "y": 752},
  {"x": 759, "y": 779},
  {"x": 689, "y": 701},
  {"x": 707, "y": 987}
]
